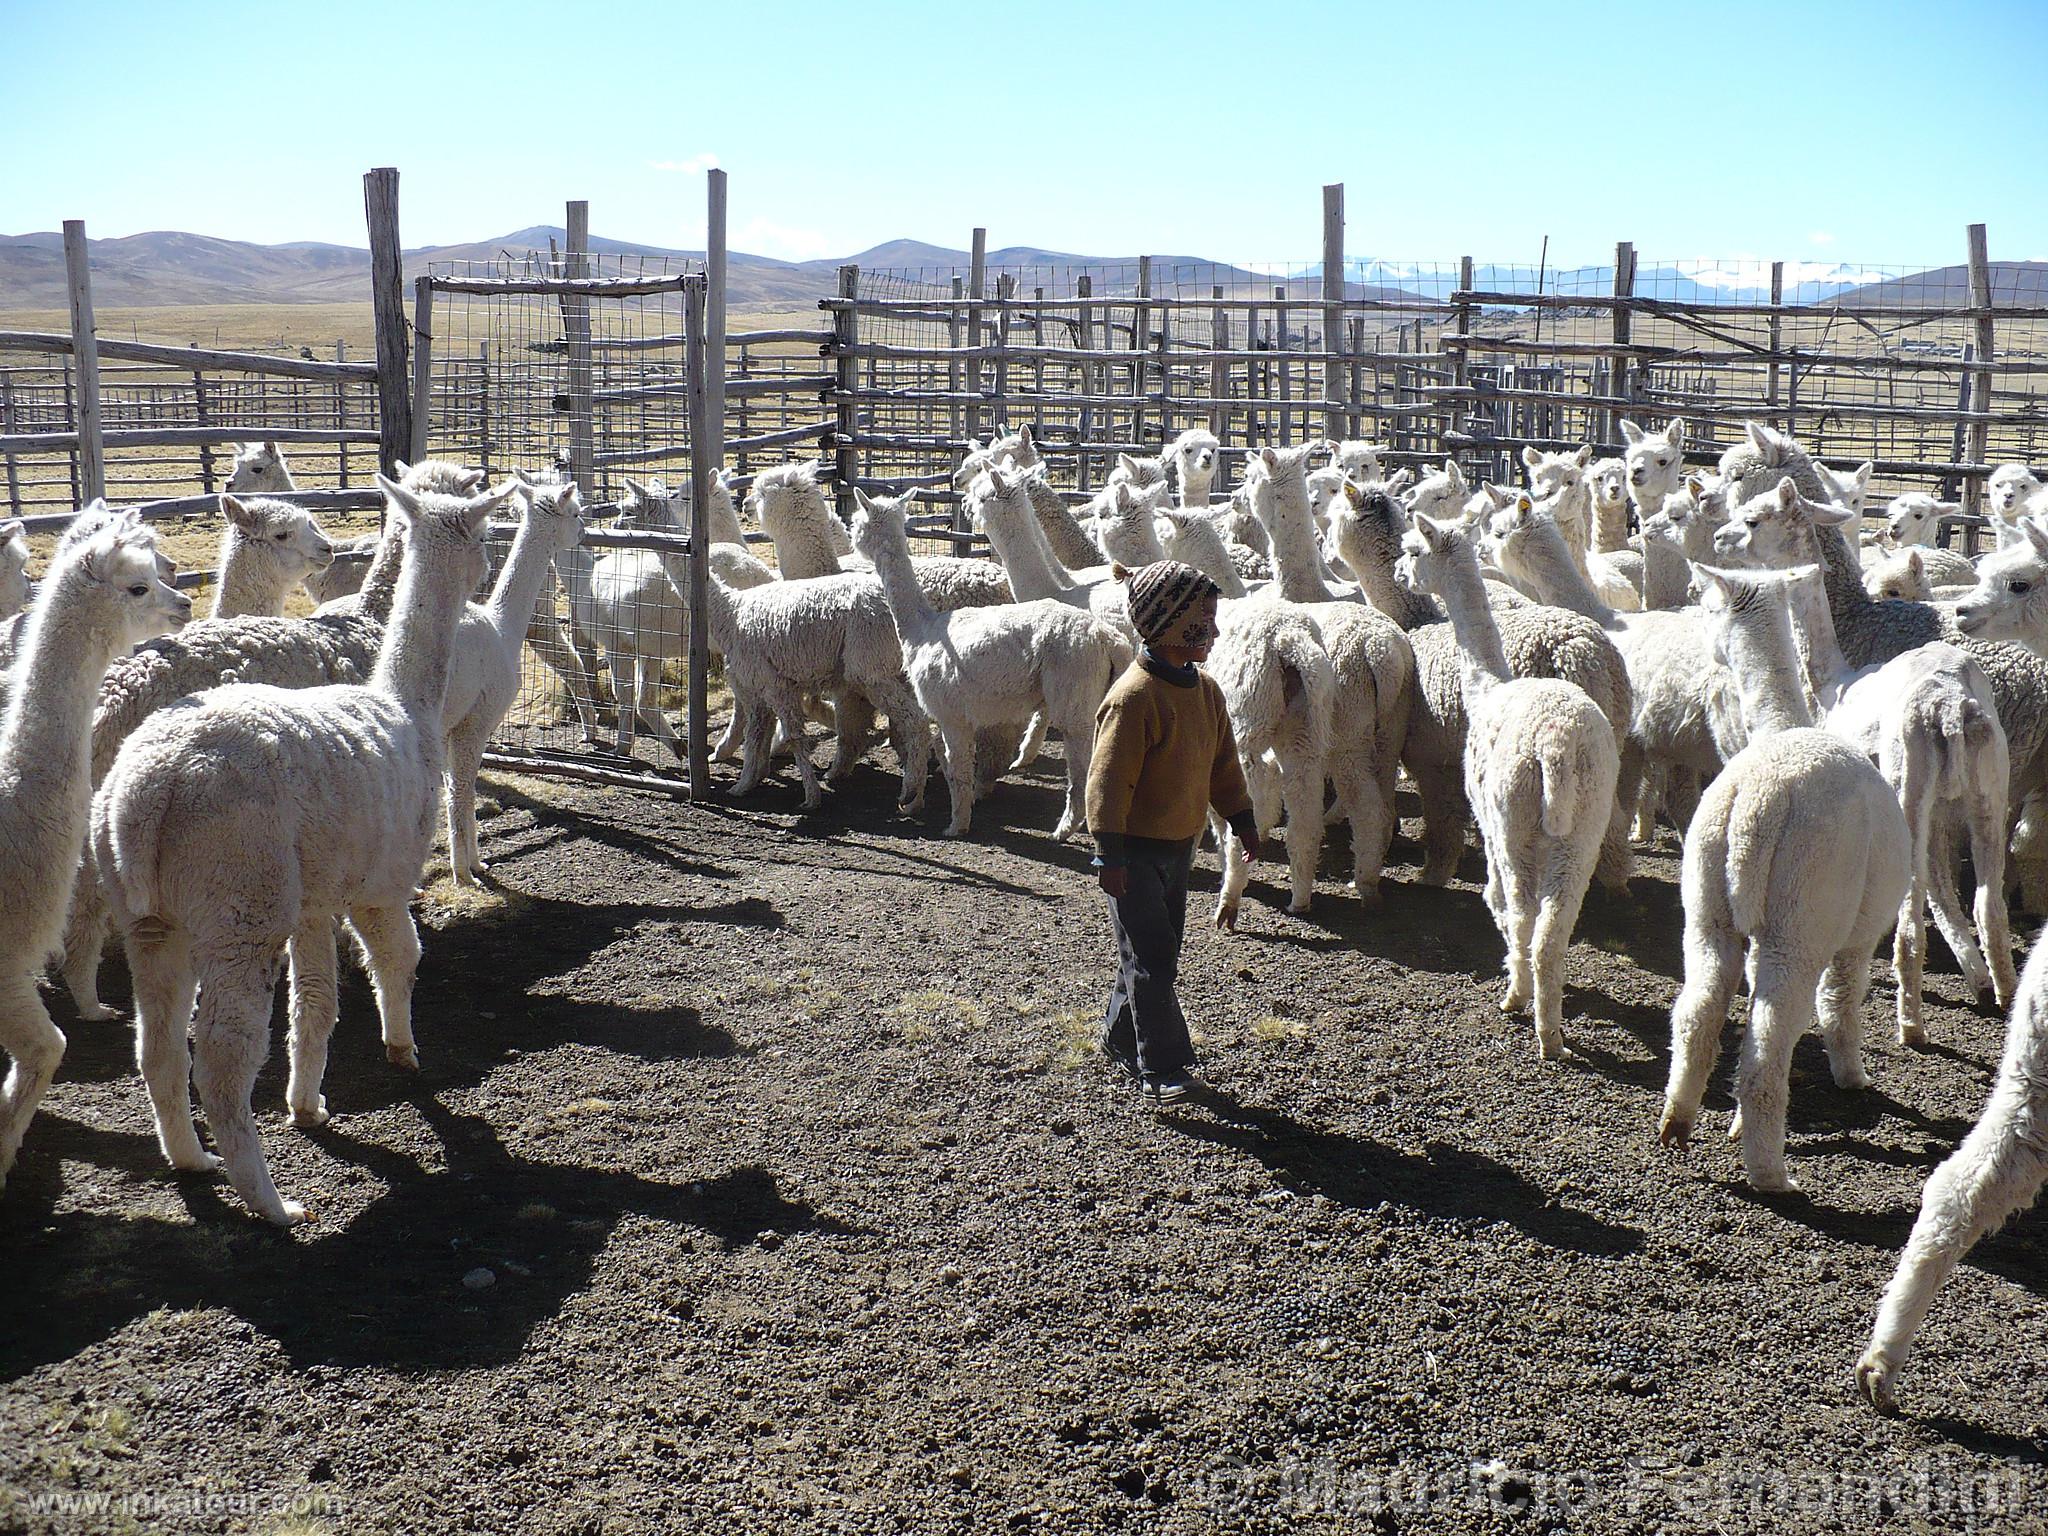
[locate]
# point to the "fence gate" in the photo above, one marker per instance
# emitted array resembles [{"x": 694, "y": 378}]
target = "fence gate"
[{"x": 592, "y": 368}]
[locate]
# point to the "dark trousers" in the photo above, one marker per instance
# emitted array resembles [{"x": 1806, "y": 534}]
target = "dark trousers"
[{"x": 1143, "y": 1020}]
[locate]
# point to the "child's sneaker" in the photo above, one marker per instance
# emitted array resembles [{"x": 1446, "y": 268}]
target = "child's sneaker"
[
  {"x": 1171, "y": 1087},
  {"x": 1126, "y": 1061}
]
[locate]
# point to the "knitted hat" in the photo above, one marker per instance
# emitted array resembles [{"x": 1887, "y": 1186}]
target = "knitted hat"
[{"x": 1163, "y": 598}]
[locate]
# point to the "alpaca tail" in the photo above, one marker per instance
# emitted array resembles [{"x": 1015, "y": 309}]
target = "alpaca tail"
[
  {"x": 1555, "y": 762},
  {"x": 126, "y": 820}
]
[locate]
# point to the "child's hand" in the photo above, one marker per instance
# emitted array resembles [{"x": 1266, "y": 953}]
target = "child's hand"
[
  {"x": 1114, "y": 880},
  {"x": 1251, "y": 845}
]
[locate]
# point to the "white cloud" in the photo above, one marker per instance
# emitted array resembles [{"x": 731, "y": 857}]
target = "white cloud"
[
  {"x": 1753, "y": 272},
  {"x": 696, "y": 165},
  {"x": 1820, "y": 237},
  {"x": 785, "y": 242}
]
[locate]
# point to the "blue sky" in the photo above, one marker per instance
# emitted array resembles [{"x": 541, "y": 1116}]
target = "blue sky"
[{"x": 1808, "y": 132}]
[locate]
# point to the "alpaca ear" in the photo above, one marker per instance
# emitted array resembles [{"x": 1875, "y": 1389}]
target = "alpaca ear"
[
  {"x": 1675, "y": 433},
  {"x": 240, "y": 514},
  {"x": 1787, "y": 494},
  {"x": 11, "y": 530},
  {"x": 1353, "y": 493},
  {"x": 402, "y": 500},
  {"x": 1863, "y": 473},
  {"x": 860, "y": 500},
  {"x": 997, "y": 484},
  {"x": 401, "y": 469},
  {"x": 478, "y": 509},
  {"x": 270, "y": 447},
  {"x": 1532, "y": 458},
  {"x": 1434, "y": 533},
  {"x": 1400, "y": 480},
  {"x": 2036, "y": 536},
  {"x": 1760, "y": 439},
  {"x": 1830, "y": 516},
  {"x": 1716, "y": 587},
  {"x": 1121, "y": 499},
  {"x": 639, "y": 488},
  {"x": 1024, "y": 437},
  {"x": 1914, "y": 563},
  {"x": 569, "y": 503},
  {"x": 1631, "y": 432},
  {"x": 1584, "y": 456},
  {"x": 1455, "y": 475}
]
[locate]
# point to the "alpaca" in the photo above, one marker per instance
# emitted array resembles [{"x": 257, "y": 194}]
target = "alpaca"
[
  {"x": 1193, "y": 458},
  {"x": 483, "y": 677},
  {"x": 1559, "y": 479},
  {"x": 2010, "y": 601},
  {"x": 1607, "y": 483},
  {"x": 97, "y": 600},
  {"x": 1901, "y": 576},
  {"x": 259, "y": 469},
  {"x": 1126, "y": 525},
  {"x": 1656, "y": 464},
  {"x": 267, "y": 549},
  {"x": 1848, "y": 488},
  {"x": 1541, "y": 765},
  {"x": 1280, "y": 500},
  {"x": 1539, "y": 642},
  {"x": 1998, "y": 1170},
  {"x": 14, "y": 583},
  {"x": 1000, "y": 504},
  {"x": 826, "y": 635},
  {"x": 252, "y": 816},
  {"x": 1280, "y": 690},
  {"x": 1359, "y": 460},
  {"x": 791, "y": 508},
  {"x": 1756, "y": 464},
  {"x": 1795, "y": 865},
  {"x": 1191, "y": 536},
  {"x": 345, "y": 572},
  {"x": 978, "y": 667}
]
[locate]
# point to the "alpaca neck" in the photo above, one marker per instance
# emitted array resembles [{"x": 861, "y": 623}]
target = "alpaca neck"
[
  {"x": 803, "y": 549},
  {"x": 1194, "y": 486},
  {"x": 380, "y": 582},
  {"x": 1539, "y": 558},
  {"x": 1610, "y": 525},
  {"x": 1289, "y": 524},
  {"x": 250, "y": 582},
  {"x": 1827, "y": 670},
  {"x": 1063, "y": 536},
  {"x": 519, "y": 583},
  {"x": 1482, "y": 662},
  {"x": 1841, "y": 571},
  {"x": 1767, "y": 675},
  {"x": 1019, "y": 542},
  {"x": 724, "y": 519},
  {"x": 575, "y": 565},
  {"x": 1572, "y": 511},
  {"x": 412, "y": 667},
  {"x": 1409, "y": 610},
  {"x": 907, "y": 603},
  {"x": 46, "y": 732}
]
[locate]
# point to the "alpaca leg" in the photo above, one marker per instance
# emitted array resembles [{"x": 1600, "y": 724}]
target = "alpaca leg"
[
  {"x": 1301, "y": 791},
  {"x": 1443, "y": 820},
  {"x": 1843, "y": 987},
  {"x": 728, "y": 748},
  {"x": 1371, "y": 815},
  {"x": 165, "y": 983},
  {"x": 554, "y": 644},
  {"x": 1713, "y": 964},
  {"x": 1995, "y": 1172},
  {"x": 1994, "y": 922},
  {"x": 1617, "y": 859},
  {"x": 788, "y": 708},
  {"x": 1079, "y": 736},
  {"x": 36, "y": 1046},
  {"x": 911, "y": 734},
  {"x": 1946, "y": 904},
  {"x": 1780, "y": 1009},
  {"x": 1237, "y": 874},
  {"x": 1909, "y": 960},
  {"x": 231, "y": 1036},
  {"x": 959, "y": 742},
  {"x": 625, "y": 701},
  {"x": 1556, "y": 916},
  {"x": 85, "y": 940},
  {"x": 647, "y": 685},
  {"x": 1031, "y": 746},
  {"x": 465, "y": 761},
  {"x": 315, "y": 974},
  {"x": 758, "y": 749},
  {"x": 1649, "y": 796},
  {"x": 1518, "y": 921},
  {"x": 391, "y": 945}
]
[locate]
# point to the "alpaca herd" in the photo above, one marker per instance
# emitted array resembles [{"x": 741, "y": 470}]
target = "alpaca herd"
[{"x": 1829, "y": 723}]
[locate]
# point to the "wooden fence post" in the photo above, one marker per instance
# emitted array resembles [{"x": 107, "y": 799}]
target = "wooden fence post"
[
  {"x": 1219, "y": 371},
  {"x": 702, "y": 432},
  {"x": 846, "y": 325},
  {"x": 1084, "y": 424},
  {"x": 422, "y": 366},
  {"x": 576, "y": 329},
  {"x": 953, "y": 380},
  {"x": 85, "y": 349},
  {"x": 204, "y": 417},
  {"x": 1777, "y": 298},
  {"x": 387, "y": 303},
  {"x": 1006, "y": 289},
  {"x": 1980, "y": 394},
  {"x": 7, "y": 430},
  {"x": 1333, "y": 306},
  {"x": 1141, "y": 331},
  {"x": 1621, "y": 378},
  {"x": 714, "y": 323},
  {"x": 341, "y": 413},
  {"x": 977, "y": 274}
]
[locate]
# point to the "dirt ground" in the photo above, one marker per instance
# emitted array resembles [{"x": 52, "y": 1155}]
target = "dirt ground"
[{"x": 761, "y": 1176}]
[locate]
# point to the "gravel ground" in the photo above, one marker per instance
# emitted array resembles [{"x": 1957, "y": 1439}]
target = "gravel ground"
[{"x": 762, "y": 1175}]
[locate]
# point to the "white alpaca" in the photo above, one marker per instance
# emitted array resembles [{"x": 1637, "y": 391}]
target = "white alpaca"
[
  {"x": 1000, "y": 503},
  {"x": 1847, "y": 487},
  {"x": 483, "y": 677},
  {"x": 1193, "y": 457},
  {"x": 1762, "y": 457},
  {"x": 1280, "y": 690},
  {"x": 1795, "y": 865},
  {"x": 1607, "y": 484},
  {"x": 1190, "y": 535},
  {"x": 268, "y": 548},
  {"x": 353, "y": 558},
  {"x": 1900, "y": 576},
  {"x": 14, "y": 583},
  {"x": 259, "y": 469},
  {"x": 1656, "y": 464},
  {"x": 253, "y": 816},
  {"x": 2014, "y": 491},
  {"x": 1359, "y": 460},
  {"x": 97, "y": 600},
  {"x": 822, "y": 635},
  {"x": 977, "y": 667},
  {"x": 1541, "y": 766},
  {"x": 791, "y": 507},
  {"x": 1280, "y": 500},
  {"x": 1560, "y": 480},
  {"x": 1126, "y": 525},
  {"x": 1915, "y": 518},
  {"x": 1997, "y": 1171}
]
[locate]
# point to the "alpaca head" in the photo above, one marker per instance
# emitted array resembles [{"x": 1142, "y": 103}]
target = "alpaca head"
[
  {"x": 114, "y": 575},
  {"x": 1915, "y": 518},
  {"x": 1017, "y": 448},
  {"x": 1280, "y": 472},
  {"x": 1902, "y": 576},
  {"x": 14, "y": 583},
  {"x": 2010, "y": 488},
  {"x": 446, "y": 478},
  {"x": 1432, "y": 552},
  {"x": 259, "y": 467},
  {"x": 1358, "y": 459},
  {"x": 1194, "y": 455},
  {"x": 1749, "y": 615},
  {"x": 1609, "y": 481},
  {"x": 1001, "y": 496},
  {"x": 787, "y": 498},
  {"x": 443, "y": 530},
  {"x": 558, "y": 512},
  {"x": 1655, "y": 461},
  {"x": 1440, "y": 494},
  {"x": 878, "y": 522},
  {"x": 1849, "y": 487},
  {"x": 1325, "y": 489},
  {"x": 1550, "y": 473},
  {"x": 1367, "y": 524},
  {"x": 281, "y": 539},
  {"x": 1141, "y": 472},
  {"x": 2010, "y": 601},
  {"x": 649, "y": 504},
  {"x": 1777, "y": 528}
]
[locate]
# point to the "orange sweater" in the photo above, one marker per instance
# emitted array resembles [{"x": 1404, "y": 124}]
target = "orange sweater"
[{"x": 1164, "y": 754}]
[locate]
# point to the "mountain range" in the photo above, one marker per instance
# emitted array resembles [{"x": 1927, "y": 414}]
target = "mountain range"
[{"x": 176, "y": 268}]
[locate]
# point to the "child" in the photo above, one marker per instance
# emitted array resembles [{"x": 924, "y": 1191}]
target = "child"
[{"x": 1164, "y": 754}]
